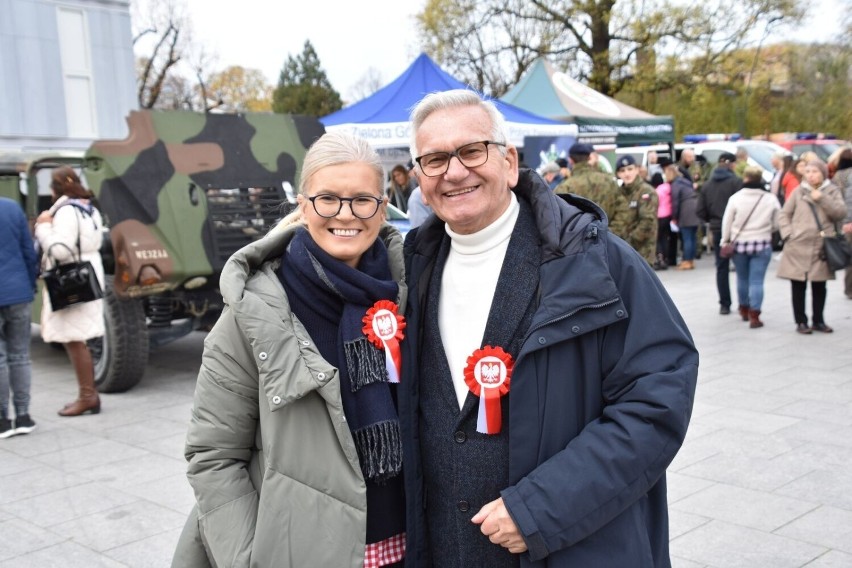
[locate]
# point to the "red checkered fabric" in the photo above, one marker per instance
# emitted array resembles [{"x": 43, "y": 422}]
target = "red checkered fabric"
[{"x": 388, "y": 551}]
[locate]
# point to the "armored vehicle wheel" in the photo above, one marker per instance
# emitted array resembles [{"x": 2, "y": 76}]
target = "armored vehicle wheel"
[{"x": 121, "y": 355}]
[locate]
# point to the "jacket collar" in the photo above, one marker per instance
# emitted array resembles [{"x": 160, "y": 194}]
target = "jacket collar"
[
  {"x": 253, "y": 291},
  {"x": 575, "y": 273},
  {"x": 722, "y": 173},
  {"x": 271, "y": 247}
]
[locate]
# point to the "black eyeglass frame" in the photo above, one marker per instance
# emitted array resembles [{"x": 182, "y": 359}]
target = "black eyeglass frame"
[
  {"x": 350, "y": 200},
  {"x": 457, "y": 155}
]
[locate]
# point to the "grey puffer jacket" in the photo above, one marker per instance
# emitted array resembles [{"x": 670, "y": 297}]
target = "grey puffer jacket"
[{"x": 268, "y": 421}]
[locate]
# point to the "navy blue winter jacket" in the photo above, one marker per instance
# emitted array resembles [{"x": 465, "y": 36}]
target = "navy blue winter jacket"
[
  {"x": 17, "y": 255},
  {"x": 602, "y": 392}
]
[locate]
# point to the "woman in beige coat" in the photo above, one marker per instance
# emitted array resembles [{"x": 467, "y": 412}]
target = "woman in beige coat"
[
  {"x": 802, "y": 259},
  {"x": 293, "y": 448},
  {"x": 73, "y": 221}
]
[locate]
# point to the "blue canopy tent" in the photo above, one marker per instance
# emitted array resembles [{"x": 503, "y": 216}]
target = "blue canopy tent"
[{"x": 382, "y": 118}]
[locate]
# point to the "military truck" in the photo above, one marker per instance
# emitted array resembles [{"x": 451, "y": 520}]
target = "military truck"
[{"x": 180, "y": 194}]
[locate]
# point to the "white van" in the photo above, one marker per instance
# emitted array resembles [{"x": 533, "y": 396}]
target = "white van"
[
  {"x": 640, "y": 153},
  {"x": 760, "y": 153}
]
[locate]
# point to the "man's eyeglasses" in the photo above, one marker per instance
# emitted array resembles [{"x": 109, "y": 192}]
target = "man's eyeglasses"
[
  {"x": 328, "y": 205},
  {"x": 470, "y": 155}
]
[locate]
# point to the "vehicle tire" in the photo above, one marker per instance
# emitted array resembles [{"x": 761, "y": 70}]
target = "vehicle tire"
[{"x": 121, "y": 355}]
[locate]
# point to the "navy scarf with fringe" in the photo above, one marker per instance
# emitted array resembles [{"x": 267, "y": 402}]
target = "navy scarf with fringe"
[{"x": 330, "y": 298}]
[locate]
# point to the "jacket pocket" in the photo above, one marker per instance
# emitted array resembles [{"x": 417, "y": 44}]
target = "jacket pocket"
[{"x": 228, "y": 531}]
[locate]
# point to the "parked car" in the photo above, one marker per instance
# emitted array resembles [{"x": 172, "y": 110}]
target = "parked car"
[
  {"x": 640, "y": 153},
  {"x": 824, "y": 147},
  {"x": 759, "y": 152}
]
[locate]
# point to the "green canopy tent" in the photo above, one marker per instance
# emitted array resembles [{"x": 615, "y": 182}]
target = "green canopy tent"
[{"x": 547, "y": 92}]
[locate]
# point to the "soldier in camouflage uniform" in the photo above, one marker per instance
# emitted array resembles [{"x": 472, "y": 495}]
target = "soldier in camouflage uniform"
[
  {"x": 591, "y": 183},
  {"x": 640, "y": 221}
]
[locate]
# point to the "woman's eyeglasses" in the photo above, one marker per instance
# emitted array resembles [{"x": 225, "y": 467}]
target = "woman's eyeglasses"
[{"x": 328, "y": 205}]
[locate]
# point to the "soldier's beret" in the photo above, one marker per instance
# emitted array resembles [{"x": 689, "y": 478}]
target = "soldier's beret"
[
  {"x": 580, "y": 149},
  {"x": 624, "y": 161}
]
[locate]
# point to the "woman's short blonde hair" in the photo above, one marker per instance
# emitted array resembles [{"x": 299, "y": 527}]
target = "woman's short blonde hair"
[
  {"x": 753, "y": 173},
  {"x": 335, "y": 148}
]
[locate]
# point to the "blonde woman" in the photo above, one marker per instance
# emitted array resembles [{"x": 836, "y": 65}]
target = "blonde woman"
[{"x": 293, "y": 448}]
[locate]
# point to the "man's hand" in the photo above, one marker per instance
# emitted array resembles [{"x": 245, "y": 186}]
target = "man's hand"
[
  {"x": 496, "y": 523},
  {"x": 847, "y": 228}
]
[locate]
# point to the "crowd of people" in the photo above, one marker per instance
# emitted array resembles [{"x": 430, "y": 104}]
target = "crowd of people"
[
  {"x": 806, "y": 201},
  {"x": 505, "y": 386}
]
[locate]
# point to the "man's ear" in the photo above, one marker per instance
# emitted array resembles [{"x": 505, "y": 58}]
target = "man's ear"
[{"x": 512, "y": 160}]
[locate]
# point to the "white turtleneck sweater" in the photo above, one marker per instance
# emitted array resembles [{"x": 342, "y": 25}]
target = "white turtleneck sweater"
[{"x": 467, "y": 289}]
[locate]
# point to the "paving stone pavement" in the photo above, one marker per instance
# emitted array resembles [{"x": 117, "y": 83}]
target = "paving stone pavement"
[{"x": 762, "y": 480}]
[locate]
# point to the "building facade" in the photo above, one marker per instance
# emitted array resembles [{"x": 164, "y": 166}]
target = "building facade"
[{"x": 67, "y": 73}]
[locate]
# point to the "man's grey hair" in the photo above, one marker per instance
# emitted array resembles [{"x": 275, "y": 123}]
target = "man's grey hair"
[{"x": 452, "y": 99}]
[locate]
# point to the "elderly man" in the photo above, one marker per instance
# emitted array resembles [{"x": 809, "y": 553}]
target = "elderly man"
[
  {"x": 551, "y": 172},
  {"x": 548, "y": 378},
  {"x": 690, "y": 168}
]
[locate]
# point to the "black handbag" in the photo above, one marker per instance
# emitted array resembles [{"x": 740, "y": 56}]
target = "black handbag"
[
  {"x": 835, "y": 249},
  {"x": 73, "y": 282}
]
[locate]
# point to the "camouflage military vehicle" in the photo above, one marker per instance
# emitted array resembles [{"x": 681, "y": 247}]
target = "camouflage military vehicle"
[{"x": 180, "y": 194}]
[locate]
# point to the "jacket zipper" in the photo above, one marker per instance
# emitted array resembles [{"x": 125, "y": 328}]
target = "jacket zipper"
[{"x": 568, "y": 315}]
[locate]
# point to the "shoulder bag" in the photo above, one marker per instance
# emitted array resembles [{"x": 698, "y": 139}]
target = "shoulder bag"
[
  {"x": 71, "y": 283},
  {"x": 728, "y": 250},
  {"x": 835, "y": 250}
]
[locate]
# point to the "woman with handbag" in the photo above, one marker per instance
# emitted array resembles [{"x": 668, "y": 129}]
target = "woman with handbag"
[
  {"x": 293, "y": 447},
  {"x": 72, "y": 230},
  {"x": 749, "y": 219},
  {"x": 815, "y": 205}
]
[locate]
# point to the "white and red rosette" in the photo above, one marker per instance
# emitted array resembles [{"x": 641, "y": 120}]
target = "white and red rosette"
[
  {"x": 488, "y": 374},
  {"x": 383, "y": 326}
]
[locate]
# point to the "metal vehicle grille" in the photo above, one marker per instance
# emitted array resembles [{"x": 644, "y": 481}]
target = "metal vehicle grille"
[{"x": 240, "y": 216}]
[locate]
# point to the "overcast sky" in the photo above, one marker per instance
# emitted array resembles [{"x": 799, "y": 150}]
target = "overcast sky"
[{"x": 351, "y": 37}]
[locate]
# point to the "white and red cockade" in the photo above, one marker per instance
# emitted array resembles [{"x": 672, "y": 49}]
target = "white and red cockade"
[
  {"x": 488, "y": 375},
  {"x": 383, "y": 326}
]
